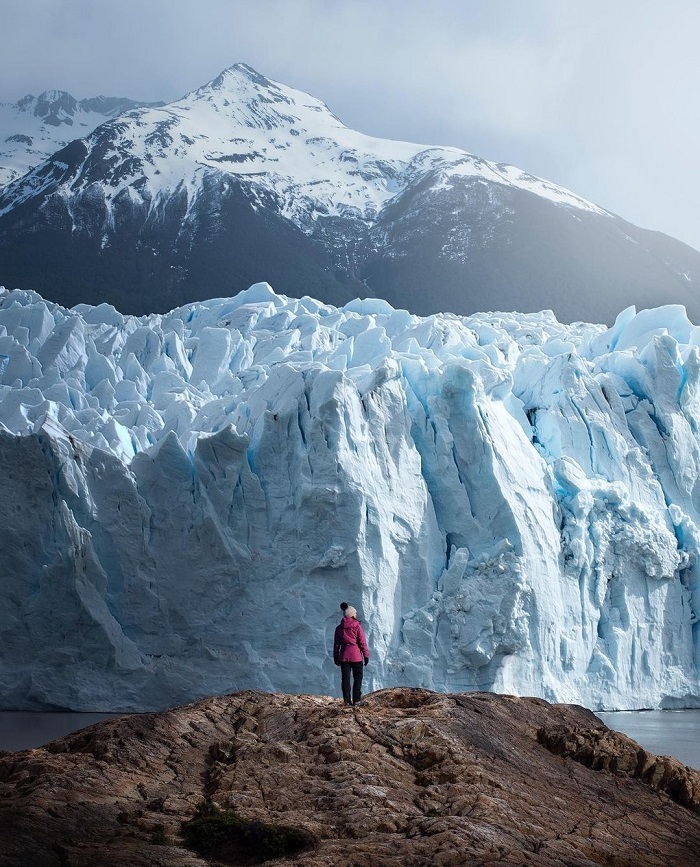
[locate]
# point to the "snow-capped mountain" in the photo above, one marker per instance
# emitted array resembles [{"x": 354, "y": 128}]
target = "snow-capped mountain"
[
  {"x": 247, "y": 179},
  {"x": 511, "y": 503},
  {"x": 35, "y": 127}
]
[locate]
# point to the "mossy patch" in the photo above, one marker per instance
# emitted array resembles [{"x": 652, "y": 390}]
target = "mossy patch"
[
  {"x": 226, "y": 837},
  {"x": 158, "y": 836}
]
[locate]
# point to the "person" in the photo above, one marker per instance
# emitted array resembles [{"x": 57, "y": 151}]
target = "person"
[{"x": 351, "y": 653}]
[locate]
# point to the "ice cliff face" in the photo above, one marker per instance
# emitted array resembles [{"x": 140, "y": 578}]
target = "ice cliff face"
[{"x": 511, "y": 503}]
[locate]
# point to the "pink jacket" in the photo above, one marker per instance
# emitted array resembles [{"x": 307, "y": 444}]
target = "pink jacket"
[{"x": 349, "y": 644}]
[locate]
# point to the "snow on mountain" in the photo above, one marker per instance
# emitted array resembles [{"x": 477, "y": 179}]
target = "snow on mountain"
[
  {"x": 35, "y": 127},
  {"x": 285, "y": 138},
  {"x": 312, "y": 161},
  {"x": 246, "y": 179},
  {"x": 511, "y": 503}
]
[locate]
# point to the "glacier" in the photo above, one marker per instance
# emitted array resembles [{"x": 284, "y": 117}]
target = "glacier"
[{"x": 511, "y": 503}]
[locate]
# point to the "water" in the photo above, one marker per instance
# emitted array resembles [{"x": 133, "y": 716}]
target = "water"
[
  {"x": 663, "y": 732},
  {"x": 23, "y": 731}
]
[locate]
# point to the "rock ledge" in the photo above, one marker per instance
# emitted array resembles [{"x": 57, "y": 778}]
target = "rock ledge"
[{"x": 410, "y": 778}]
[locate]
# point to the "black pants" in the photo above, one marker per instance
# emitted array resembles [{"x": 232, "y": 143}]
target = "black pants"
[{"x": 345, "y": 669}]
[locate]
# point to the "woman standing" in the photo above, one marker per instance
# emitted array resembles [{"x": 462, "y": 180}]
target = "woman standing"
[{"x": 351, "y": 653}]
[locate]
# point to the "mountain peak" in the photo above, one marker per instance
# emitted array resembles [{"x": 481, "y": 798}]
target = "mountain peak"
[
  {"x": 55, "y": 106},
  {"x": 237, "y": 72},
  {"x": 250, "y": 73},
  {"x": 254, "y": 101},
  {"x": 34, "y": 127},
  {"x": 52, "y": 106}
]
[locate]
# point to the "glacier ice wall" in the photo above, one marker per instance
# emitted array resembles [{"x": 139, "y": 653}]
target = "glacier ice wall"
[{"x": 511, "y": 503}]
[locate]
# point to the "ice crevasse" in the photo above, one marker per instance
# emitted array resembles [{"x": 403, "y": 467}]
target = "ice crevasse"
[{"x": 511, "y": 503}]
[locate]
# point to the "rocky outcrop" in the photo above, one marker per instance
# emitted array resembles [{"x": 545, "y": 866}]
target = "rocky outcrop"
[
  {"x": 411, "y": 777},
  {"x": 606, "y": 750}
]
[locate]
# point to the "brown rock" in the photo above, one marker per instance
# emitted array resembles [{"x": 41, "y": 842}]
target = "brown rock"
[
  {"x": 411, "y": 778},
  {"x": 603, "y": 749}
]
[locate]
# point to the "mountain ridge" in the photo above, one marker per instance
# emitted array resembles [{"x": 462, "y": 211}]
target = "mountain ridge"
[
  {"x": 246, "y": 179},
  {"x": 34, "y": 127}
]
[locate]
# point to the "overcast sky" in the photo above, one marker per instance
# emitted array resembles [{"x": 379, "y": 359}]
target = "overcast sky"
[{"x": 601, "y": 97}]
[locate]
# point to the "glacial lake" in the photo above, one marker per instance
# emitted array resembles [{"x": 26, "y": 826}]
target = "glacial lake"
[
  {"x": 21, "y": 730},
  {"x": 664, "y": 732}
]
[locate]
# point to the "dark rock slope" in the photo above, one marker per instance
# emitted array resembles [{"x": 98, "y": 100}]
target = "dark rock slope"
[{"x": 411, "y": 778}]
